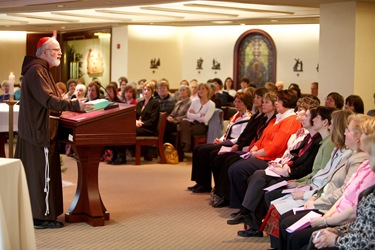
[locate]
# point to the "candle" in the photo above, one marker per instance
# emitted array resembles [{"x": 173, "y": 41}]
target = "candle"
[{"x": 11, "y": 83}]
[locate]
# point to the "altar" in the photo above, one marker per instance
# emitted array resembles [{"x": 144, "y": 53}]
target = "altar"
[
  {"x": 16, "y": 222},
  {"x": 4, "y": 124}
]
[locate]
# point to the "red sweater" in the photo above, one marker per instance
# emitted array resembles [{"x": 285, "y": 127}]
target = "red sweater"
[{"x": 275, "y": 137}]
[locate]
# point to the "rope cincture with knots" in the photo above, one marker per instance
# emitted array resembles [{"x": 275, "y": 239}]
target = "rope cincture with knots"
[{"x": 46, "y": 180}]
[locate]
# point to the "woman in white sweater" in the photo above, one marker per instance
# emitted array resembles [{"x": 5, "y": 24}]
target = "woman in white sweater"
[{"x": 198, "y": 116}]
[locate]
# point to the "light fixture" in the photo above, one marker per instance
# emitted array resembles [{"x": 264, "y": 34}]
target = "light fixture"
[
  {"x": 43, "y": 18},
  {"x": 187, "y": 11},
  {"x": 119, "y": 12},
  {"x": 90, "y": 16},
  {"x": 237, "y": 8}
]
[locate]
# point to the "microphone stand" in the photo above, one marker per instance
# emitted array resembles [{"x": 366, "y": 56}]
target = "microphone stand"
[{"x": 112, "y": 103}]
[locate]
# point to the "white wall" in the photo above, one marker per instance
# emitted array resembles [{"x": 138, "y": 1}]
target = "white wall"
[
  {"x": 292, "y": 41},
  {"x": 12, "y": 52},
  {"x": 337, "y": 49},
  {"x": 119, "y": 58},
  {"x": 179, "y": 49}
]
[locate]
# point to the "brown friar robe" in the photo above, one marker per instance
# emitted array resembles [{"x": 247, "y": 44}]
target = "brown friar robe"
[{"x": 37, "y": 131}]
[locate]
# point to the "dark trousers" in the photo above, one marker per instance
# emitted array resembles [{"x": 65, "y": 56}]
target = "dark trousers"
[
  {"x": 254, "y": 197},
  {"x": 203, "y": 157},
  {"x": 298, "y": 239},
  {"x": 189, "y": 129},
  {"x": 220, "y": 172},
  {"x": 239, "y": 174}
]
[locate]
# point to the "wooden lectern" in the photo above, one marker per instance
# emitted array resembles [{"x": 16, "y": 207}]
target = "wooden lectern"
[{"x": 89, "y": 133}]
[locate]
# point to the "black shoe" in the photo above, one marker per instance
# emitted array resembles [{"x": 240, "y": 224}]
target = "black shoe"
[
  {"x": 222, "y": 203},
  {"x": 119, "y": 160},
  {"x": 250, "y": 233},
  {"x": 192, "y": 187},
  {"x": 201, "y": 189},
  {"x": 233, "y": 215},
  {"x": 240, "y": 218},
  {"x": 48, "y": 224}
]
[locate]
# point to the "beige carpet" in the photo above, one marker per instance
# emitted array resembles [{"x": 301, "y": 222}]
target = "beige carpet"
[{"x": 150, "y": 208}]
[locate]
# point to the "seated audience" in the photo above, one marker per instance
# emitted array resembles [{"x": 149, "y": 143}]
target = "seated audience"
[
  {"x": 194, "y": 89},
  {"x": 176, "y": 95},
  {"x": 270, "y": 145},
  {"x": 334, "y": 100},
  {"x": 221, "y": 95},
  {"x": 360, "y": 233},
  {"x": 166, "y": 101},
  {"x": 61, "y": 87},
  {"x": 93, "y": 92},
  {"x": 198, "y": 116},
  {"x": 79, "y": 92},
  {"x": 204, "y": 153},
  {"x": 342, "y": 205},
  {"x": 5, "y": 88},
  {"x": 111, "y": 93},
  {"x": 271, "y": 87},
  {"x": 178, "y": 113},
  {"x": 128, "y": 95},
  {"x": 296, "y": 89},
  {"x": 355, "y": 104},
  {"x": 244, "y": 83},
  {"x": 296, "y": 162},
  {"x": 253, "y": 131},
  {"x": 71, "y": 83},
  {"x": 147, "y": 117},
  {"x": 314, "y": 88},
  {"x": 228, "y": 86},
  {"x": 279, "y": 85}
]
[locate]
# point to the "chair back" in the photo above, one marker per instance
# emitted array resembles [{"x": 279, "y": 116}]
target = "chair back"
[
  {"x": 162, "y": 124},
  {"x": 215, "y": 126}
]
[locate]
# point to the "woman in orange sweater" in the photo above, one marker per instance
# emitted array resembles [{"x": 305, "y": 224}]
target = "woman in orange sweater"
[{"x": 270, "y": 145}]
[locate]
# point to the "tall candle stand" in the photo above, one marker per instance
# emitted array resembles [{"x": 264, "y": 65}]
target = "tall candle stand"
[{"x": 11, "y": 102}]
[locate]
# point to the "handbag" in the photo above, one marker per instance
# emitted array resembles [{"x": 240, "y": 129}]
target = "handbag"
[{"x": 170, "y": 153}]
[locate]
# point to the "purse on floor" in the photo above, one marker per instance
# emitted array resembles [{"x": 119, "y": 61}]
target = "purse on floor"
[{"x": 170, "y": 153}]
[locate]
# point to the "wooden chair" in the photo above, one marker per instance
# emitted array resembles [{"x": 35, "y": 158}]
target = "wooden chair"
[{"x": 152, "y": 140}]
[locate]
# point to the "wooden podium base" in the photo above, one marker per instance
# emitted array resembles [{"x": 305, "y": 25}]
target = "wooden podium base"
[
  {"x": 93, "y": 221},
  {"x": 87, "y": 205}
]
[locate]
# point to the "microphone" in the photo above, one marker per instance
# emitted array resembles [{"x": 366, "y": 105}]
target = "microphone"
[
  {"x": 112, "y": 104},
  {"x": 101, "y": 86}
]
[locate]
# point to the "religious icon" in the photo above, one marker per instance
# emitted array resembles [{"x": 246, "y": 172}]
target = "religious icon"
[
  {"x": 199, "y": 63},
  {"x": 215, "y": 64},
  {"x": 154, "y": 64},
  {"x": 95, "y": 64},
  {"x": 298, "y": 66}
]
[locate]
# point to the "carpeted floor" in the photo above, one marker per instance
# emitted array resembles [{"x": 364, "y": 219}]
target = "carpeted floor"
[{"x": 149, "y": 208}]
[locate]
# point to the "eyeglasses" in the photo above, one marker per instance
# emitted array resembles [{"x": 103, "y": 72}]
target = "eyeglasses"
[{"x": 56, "y": 50}]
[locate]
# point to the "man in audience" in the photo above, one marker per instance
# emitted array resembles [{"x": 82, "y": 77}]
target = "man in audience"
[
  {"x": 245, "y": 83},
  {"x": 5, "y": 88},
  {"x": 194, "y": 89},
  {"x": 314, "y": 88},
  {"x": 93, "y": 91},
  {"x": 166, "y": 101}
]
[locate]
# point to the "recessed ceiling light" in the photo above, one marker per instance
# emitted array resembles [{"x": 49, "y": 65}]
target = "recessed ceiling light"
[
  {"x": 274, "y": 21},
  {"x": 60, "y": 6},
  {"x": 221, "y": 22}
]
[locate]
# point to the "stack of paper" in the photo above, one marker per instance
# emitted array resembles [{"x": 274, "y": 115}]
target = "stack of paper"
[
  {"x": 303, "y": 222},
  {"x": 97, "y": 104}
]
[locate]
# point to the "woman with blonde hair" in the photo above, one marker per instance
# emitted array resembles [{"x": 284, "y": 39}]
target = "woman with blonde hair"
[{"x": 198, "y": 116}]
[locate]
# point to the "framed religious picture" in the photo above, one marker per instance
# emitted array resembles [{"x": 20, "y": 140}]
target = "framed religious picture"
[{"x": 254, "y": 58}]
